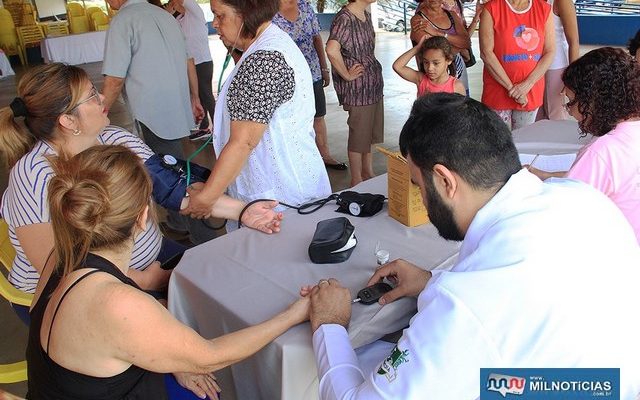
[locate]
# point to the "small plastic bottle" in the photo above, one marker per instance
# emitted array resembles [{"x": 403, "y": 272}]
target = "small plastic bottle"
[{"x": 382, "y": 257}]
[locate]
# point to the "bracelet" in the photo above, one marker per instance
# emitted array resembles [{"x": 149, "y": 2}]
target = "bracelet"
[{"x": 325, "y": 69}]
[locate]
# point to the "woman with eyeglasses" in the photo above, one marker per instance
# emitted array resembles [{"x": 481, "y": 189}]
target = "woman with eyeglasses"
[
  {"x": 603, "y": 94},
  {"x": 94, "y": 333},
  {"x": 63, "y": 113}
]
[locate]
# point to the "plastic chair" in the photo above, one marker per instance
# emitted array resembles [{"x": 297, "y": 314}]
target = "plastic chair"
[
  {"x": 75, "y": 10},
  {"x": 56, "y": 29},
  {"x": 28, "y": 15},
  {"x": 78, "y": 20},
  {"x": 100, "y": 21},
  {"x": 89, "y": 13},
  {"x": 14, "y": 372},
  {"x": 29, "y": 36},
  {"x": 8, "y": 37}
]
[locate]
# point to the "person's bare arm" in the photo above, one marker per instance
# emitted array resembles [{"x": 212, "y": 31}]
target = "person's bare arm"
[
  {"x": 196, "y": 107},
  {"x": 37, "y": 243},
  {"x": 324, "y": 67},
  {"x": 336, "y": 60},
  {"x": 134, "y": 326},
  {"x": 486, "y": 52},
  {"x": 521, "y": 89},
  {"x": 400, "y": 65},
  {"x": 461, "y": 38},
  {"x": 459, "y": 88},
  {"x": 476, "y": 18},
  {"x": 111, "y": 90},
  {"x": 245, "y": 136},
  {"x": 567, "y": 13}
]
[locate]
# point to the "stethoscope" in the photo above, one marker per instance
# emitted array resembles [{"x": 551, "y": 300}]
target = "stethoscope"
[{"x": 225, "y": 64}]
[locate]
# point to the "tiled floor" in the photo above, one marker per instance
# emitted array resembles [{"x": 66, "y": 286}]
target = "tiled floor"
[{"x": 398, "y": 99}]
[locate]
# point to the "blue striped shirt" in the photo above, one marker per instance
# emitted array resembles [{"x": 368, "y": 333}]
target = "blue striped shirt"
[{"x": 25, "y": 203}]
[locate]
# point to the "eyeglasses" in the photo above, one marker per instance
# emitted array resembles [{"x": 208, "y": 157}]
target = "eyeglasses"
[
  {"x": 566, "y": 102},
  {"x": 93, "y": 94}
]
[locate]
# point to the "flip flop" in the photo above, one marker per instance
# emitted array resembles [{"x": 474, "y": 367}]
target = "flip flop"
[{"x": 338, "y": 166}]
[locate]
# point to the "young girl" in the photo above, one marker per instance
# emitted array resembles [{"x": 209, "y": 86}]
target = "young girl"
[{"x": 437, "y": 58}]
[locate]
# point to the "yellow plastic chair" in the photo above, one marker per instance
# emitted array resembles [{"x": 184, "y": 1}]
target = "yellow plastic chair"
[
  {"x": 89, "y": 13},
  {"x": 75, "y": 10},
  {"x": 8, "y": 37},
  {"x": 56, "y": 29},
  {"x": 29, "y": 36},
  {"x": 14, "y": 372},
  {"x": 78, "y": 20},
  {"x": 28, "y": 15},
  {"x": 100, "y": 21}
]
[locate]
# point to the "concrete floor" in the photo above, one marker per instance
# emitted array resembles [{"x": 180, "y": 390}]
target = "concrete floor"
[{"x": 399, "y": 96}]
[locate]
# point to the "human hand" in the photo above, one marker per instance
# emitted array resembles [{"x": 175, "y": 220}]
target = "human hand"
[
  {"x": 299, "y": 310},
  {"x": 261, "y": 216},
  {"x": 543, "y": 175},
  {"x": 199, "y": 205},
  {"x": 197, "y": 110},
  {"x": 326, "y": 77},
  {"x": 520, "y": 90},
  {"x": 409, "y": 279},
  {"x": 330, "y": 304},
  {"x": 354, "y": 72},
  {"x": 202, "y": 385}
]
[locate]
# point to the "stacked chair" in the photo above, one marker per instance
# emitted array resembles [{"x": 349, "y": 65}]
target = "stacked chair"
[
  {"x": 14, "y": 372},
  {"x": 100, "y": 21},
  {"x": 78, "y": 20},
  {"x": 29, "y": 36},
  {"x": 59, "y": 28},
  {"x": 8, "y": 36}
]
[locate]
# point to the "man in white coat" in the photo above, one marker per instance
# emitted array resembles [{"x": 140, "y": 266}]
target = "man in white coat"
[{"x": 546, "y": 277}]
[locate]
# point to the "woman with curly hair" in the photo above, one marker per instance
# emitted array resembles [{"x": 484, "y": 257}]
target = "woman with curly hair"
[
  {"x": 603, "y": 93},
  {"x": 634, "y": 46}
]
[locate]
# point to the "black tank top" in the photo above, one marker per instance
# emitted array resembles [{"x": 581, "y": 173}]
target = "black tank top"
[{"x": 48, "y": 380}]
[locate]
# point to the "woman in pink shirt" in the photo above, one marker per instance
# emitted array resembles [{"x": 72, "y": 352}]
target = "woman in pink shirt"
[{"x": 603, "y": 92}]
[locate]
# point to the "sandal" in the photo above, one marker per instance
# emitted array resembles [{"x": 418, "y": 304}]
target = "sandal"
[{"x": 337, "y": 166}]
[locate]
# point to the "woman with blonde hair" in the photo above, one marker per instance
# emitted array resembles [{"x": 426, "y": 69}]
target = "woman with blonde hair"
[
  {"x": 94, "y": 333},
  {"x": 62, "y": 113}
]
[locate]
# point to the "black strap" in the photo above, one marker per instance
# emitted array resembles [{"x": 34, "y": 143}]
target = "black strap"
[
  {"x": 304, "y": 209},
  {"x": 60, "y": 302},
  {"x": 423, "y": 15}
]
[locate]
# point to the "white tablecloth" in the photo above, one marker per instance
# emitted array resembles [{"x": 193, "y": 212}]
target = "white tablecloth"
[
  {"x": 76, "y": 49},
  {"x": 246, "y": 277},
  {"x": 5, "y": 66}
]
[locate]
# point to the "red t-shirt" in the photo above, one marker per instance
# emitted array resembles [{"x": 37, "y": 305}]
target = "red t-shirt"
[{"x": 518, "y": 43}]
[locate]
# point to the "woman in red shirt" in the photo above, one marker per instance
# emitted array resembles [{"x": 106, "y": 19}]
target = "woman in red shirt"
[{"x": 517, "y": 46}]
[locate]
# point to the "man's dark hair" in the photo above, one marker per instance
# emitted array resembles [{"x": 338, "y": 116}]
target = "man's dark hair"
[
  {"x": 606, "y": 83},
  {"x": 254, "y": 13},
  {"x": 463, "y": 135},
  {"x": 634, "y": 44}
]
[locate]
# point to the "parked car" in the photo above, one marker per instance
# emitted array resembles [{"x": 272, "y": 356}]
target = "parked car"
[{"x": 394, "y": 15}]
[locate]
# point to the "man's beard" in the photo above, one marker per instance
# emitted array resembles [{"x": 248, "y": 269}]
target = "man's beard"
[{"x": 440, "y": 214}]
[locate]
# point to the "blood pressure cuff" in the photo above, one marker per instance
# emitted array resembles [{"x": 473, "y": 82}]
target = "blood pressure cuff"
[
  {"x": 333, "y": 241},
  {"x": 359, "y": 204},
  {"x": 170, "y": 181}
]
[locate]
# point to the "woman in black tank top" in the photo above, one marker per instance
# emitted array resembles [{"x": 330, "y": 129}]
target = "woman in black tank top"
[{"x": 94, "y": 333}]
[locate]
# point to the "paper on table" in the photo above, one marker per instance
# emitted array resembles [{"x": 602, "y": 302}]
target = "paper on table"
[{"x": 552, "y": 163}]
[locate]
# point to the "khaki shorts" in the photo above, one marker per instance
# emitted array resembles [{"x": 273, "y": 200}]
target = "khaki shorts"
[{"x": 366, "y": 126}]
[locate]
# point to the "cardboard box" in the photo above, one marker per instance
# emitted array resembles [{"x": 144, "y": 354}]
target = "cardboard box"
[{"x": 405, "y": 199}]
